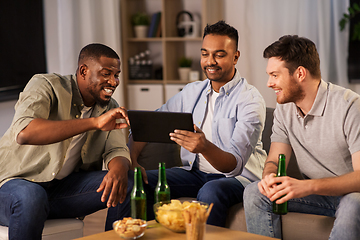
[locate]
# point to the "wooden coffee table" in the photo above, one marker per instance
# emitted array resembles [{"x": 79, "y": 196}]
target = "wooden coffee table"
[{"x": 156, "y": 231}]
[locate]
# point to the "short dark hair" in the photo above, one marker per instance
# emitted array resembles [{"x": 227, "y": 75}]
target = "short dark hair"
[
  {"x": 97, "y": 50},
  {"x": 223, "y": 29},
  {"x": 295, "y": 51}
]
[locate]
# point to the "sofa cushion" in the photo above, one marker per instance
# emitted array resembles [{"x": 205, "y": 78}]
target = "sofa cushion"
[{"x": 153, "y": 153}]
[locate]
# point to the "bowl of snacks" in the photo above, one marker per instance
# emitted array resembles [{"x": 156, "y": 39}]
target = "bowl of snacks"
[
  {"x": 130, "y": 228},
  {"x": 170, "y": 215}
]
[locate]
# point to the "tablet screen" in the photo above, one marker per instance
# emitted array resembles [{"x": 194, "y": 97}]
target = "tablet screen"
[{"x": 155, "y": 126}]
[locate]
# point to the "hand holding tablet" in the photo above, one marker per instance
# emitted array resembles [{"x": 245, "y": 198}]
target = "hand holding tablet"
[{"x": 155, "y": 126}]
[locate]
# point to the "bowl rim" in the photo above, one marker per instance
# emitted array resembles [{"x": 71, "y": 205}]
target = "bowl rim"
[
  {"x": 156, "y": 205},
  {"x": 143, "y": 225}
]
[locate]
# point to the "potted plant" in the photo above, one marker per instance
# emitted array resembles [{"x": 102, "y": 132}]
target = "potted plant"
[
  {"x": 141, "y": 22},
  {"x": 184, "y": 68}
]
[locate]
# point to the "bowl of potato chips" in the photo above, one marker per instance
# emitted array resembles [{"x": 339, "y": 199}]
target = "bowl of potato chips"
[
  {"x": 130, "y": 228},
  {"x": 170, "y": 215}
]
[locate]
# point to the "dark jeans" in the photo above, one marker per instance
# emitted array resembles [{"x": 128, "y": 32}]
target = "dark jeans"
[
  {"x": 211, "y": 188},
  {"x": 25, "y": 205}
]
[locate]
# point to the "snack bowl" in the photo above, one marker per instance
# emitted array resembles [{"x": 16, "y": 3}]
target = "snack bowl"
[
  {"x": 170, "y": 215},
  {"x": 130, "y": 228}
]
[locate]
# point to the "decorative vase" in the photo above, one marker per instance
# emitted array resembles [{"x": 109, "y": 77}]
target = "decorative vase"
[
  {"x": 141, "y": 31},
  {"x": 184, "y": 73}
]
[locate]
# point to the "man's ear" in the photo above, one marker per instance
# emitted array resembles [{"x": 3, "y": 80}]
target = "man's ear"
[
  {"x": 83, "y": 69},
  {"x": 236, "y": 57},
  {"x": 301, "y": 73}
]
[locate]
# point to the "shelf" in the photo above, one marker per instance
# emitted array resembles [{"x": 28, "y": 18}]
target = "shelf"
[
  {"x": 165, "y": 51},
  {"x": 182, "y": 39},
  {"x": 147, "y": 81},
  {"x": 145, "y": 39}
]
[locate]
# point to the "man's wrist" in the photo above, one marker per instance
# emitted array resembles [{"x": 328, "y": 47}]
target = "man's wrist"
[{"x": 272, "y": 162}]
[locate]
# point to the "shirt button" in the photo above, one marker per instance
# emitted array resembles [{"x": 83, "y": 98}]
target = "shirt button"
[
  {"x": 74, "y": 104},
  {"x": 33, "y": 180},
  {"x": 190, "y": 162},
  {"x": 82, "y": 105},
  {"x": 199, "y": 123},
  {"x": 53, "y": 174},
  {"x": 227, "y": 93},
  {"x": 306, "y": 126},
  {"x": 77, "y": 116}
]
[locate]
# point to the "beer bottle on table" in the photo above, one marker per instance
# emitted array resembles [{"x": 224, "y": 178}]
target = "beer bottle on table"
[
  {"x": 280, "y": 208},
  {"x": 138, "y": 197},
  {"x": 162, "y": 190}
]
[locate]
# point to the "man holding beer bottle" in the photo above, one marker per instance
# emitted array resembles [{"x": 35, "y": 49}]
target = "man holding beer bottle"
[{"x": 320, "y": 122}]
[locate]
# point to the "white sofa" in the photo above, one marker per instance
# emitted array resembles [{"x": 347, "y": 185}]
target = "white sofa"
[{"x": 56, "y": 229}]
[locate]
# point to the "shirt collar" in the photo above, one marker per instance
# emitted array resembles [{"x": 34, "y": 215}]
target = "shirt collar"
[
  {"x": 77, "y": 98},
  {"x": 228, "y": 87},
  {"x": 318, "y": 107}
]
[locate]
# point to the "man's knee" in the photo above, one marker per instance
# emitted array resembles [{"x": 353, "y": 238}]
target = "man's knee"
[
  {"x": 252, "y": 195},
  {"x": 350, "y": 205},
  {"x": 29, "y": 197}
]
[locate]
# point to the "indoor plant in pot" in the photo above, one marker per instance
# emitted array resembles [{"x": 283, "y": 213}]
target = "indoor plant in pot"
[
  {"x": 184, "y": 68},
  {"x": 141, "y": 22}
]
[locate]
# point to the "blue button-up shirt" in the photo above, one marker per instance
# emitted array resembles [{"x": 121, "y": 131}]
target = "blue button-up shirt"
[{"x": 238, "y": 121}]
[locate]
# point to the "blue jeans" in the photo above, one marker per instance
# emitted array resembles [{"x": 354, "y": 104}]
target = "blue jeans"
[
  {"x": 211, "y": 188},
  {"x": 25, "y": 205},
  {"x": 261, "y": 220}
]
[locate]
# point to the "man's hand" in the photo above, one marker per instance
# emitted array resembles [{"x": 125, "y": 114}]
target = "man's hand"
[
  {"x": 276, "y": 187},
  {"x": 143, "y": 171},
  {"x": 115, "y": 182},
  {"x": 194, "y": 142},
  {"x": 107, "y": 121}
]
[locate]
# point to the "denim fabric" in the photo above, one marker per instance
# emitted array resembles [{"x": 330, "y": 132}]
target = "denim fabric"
[
  {"x": 210, "y": 188},
  {"x": 260, "y": 220},
  {"x": 25, "y": 205}
]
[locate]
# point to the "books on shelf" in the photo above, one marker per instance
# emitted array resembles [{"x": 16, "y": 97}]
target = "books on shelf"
[{"x": 155, "y": 25}]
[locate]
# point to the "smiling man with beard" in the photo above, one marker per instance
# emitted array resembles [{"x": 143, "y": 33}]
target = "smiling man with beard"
[
  {"x": 319, "y": 121},
  {"x": 229, "y": 117},
  {"x": 64, "y": 132}
]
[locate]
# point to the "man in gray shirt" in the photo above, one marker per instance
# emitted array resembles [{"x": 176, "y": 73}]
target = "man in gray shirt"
[{"x": 320, "y": 122}]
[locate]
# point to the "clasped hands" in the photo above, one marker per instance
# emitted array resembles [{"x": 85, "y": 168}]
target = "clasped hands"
[{"x": 282, "y": 188}]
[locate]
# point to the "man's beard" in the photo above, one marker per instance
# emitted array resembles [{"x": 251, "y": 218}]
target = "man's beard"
[
  {"x": 98, "y": 100},
  {"x": 294, "y": 93}
]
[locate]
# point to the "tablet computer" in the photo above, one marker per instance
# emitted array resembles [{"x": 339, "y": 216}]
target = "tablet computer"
[{"x": 155, "y": 126}]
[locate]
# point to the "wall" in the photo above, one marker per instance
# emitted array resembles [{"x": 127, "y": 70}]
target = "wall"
[
  {"x": 6, "y": 116},
  {"x": 232, "y": 9}
]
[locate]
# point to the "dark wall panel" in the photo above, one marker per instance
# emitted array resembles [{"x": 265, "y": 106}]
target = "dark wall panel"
[{"x": 22, "y": 45}]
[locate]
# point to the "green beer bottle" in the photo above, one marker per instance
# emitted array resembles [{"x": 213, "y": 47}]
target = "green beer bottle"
[
  {"x": 162, "y": 190},
  {"x": 280, "y": 208},
  {"x": 138, "y": 197}
]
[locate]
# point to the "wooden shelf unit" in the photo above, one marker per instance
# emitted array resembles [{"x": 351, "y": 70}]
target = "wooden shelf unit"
[{"x": 167, "y": 49}]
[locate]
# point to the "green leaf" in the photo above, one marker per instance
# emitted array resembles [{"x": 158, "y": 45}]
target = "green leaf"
[
  {"x": 342, "y": 24},
  {"x": 352, "y": 12},
  {"x": 356, "y": 32},
  {"x": 356, "y": 7},
  {"x": 346, "y": 16}
]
